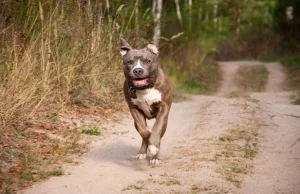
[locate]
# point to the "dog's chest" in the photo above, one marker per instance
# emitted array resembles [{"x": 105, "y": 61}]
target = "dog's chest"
[{"x": 145, "y": 98}]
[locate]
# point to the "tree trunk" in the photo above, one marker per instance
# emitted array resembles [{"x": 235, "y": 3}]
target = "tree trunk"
[
  {"x": 178, "y": 13},
  {"x": 200, "y": 11},
  {"x": 216, "y": 14},
  {"x": 137, "y": 25},
  {"x": 236, "y": 17},
  {"x": 156, "y": 10},
  {"x": 190, "y": 15}
]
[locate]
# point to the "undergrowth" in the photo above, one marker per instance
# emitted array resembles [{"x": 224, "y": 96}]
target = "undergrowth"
[{"x": 194, "y": 73}]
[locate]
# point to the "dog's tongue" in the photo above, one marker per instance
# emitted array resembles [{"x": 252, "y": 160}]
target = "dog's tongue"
[{"x": 141, "y": 82}]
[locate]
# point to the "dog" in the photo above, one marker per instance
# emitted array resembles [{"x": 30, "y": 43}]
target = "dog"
[{"x": 148, "y": 95}]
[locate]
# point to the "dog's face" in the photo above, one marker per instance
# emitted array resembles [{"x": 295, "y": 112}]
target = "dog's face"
[{"x": 140, "y": 66}]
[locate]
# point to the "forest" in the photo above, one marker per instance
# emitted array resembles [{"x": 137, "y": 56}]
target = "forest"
[{"x": 57, "y": 54}]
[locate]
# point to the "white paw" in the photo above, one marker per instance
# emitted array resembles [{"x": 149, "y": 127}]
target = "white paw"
[
  {"x": 140, "y": 157},
  {"x": 153, "y": 150},
  {"x": 155, "y": 162}
]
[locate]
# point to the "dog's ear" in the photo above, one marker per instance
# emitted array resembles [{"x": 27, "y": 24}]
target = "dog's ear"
[
  {"x": 152, "y": 48},
  {"x": 124, "y": 47}
]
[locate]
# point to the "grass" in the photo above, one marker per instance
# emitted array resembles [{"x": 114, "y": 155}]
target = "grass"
[
  {"x": 39, "y": 160},
  {"x": 292, "y": 66},
  {"x": 91, "y": 131},
  {"x": 63, "y": 55},
  {"x": 237, "y": 169},
  {"x": 242, "y": 94},
  {"x": 51, "y": 173},
  {"x": 234, "y": 179},
  {"x": 250, "y": 151},
  {"x": 172, "y": 181},
  {"x": 297, "y": 101},
  {"x": 130, "y": 187},
  {"x": 238, "y": 146},
  {"x": 252, "y": 78},
  {"x": 190, "y": 86},
  {"x": 200, "y": 76}
]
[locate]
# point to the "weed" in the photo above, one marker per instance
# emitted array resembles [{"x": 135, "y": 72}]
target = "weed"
[
  {"x": 236, "y": 169},
  {"x": 91, "y": 131},
  {"x": 233, "y": 179},
  {"x": 202, "y": 75},
  {"x": 171, "y": 181},
  {"x": 238, "y": 143},
  {"x": 129, "y": 187},
  {"x": 249, "y": 151},
  {"x": 8, "y": 191},
  {"x": 51, "y": 173},
  {"x": 228, "y": 153},
  {"x": 221, "y": 138},
  {"x": 297, "y": 101},
  {"x": 195, "y": 187},
  {"x": 190, "y": 86},
  {"x": 13, "y": 152}
]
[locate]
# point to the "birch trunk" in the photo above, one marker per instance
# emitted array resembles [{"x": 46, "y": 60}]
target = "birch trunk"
[
  {"x": 200, "y": 11},
  {"x": 137, "y": 24},
  {"x": 178, "y": 13},
  {"x": 216, "y": 14},
  {"x": 190, "y": 14},
  {"x": 156, "y": 10}
]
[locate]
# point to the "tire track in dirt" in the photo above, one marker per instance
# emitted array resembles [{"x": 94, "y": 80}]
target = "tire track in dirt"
[
  {"x": 194, "y": 158},
  {"x": 277, "y": 165}
]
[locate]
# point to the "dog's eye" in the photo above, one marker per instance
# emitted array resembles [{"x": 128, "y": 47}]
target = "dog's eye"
[
  {"x": 148, "y": 61},
  {"x": 129, "y": 62}
]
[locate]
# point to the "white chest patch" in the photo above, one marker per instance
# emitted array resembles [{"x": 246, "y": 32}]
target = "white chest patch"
[{"x": 145, "y": 98}]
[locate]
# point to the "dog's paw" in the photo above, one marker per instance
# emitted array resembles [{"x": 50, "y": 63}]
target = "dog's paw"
[
  {"x": 155, "y": 161},
  {"x": 153, "y": 150},
  {"x": 140, "y": 157}
]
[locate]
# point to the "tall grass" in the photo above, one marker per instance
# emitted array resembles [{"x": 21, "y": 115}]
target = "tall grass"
[
  {"x": 60, "y": 55},
  {"x": 52, "y": 54}
]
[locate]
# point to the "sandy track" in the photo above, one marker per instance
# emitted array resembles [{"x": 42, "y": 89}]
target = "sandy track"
[{"x": 191, "y": 151}]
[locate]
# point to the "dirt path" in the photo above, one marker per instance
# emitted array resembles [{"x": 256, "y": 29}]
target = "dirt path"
[{"x": 196, "y": 157}]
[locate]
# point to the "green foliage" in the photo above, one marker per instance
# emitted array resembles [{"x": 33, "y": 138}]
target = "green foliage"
[
  {"x": 91, "y": 131},
  {"x": 190, "y": 86},
  {"x": 297, "y": 101},
  {"x": 291, "y": 62},
  {"x": 236, "y": 169},
  {"x": 292, "y": 66},
  {"x": 14, "y": 152},
  {"x": 47, "y": 174},
  {"x": 249, "y": 151},
  {"x": 130, "y": 187}
]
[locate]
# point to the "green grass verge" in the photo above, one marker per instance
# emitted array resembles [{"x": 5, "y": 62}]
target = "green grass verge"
[{"x": 292, "y": 66}]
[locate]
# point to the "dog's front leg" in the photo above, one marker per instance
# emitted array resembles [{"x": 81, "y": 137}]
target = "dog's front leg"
[
  {"x": 158, "y": 130},
  {"x": 141, "y": 127}
]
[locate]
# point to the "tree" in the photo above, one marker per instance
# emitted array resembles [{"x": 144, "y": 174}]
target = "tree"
[{"x": 156, "y": 10}]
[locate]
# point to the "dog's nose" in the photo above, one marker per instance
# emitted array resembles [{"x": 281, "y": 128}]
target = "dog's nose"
[{"x": 138, "y": 71}]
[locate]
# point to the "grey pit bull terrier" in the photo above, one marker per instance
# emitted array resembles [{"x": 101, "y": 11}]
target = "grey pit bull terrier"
[{"x": 148, "y": 95}]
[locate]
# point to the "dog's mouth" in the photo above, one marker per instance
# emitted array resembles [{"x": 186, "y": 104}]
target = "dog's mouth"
[{"x": 139, "y": 82}]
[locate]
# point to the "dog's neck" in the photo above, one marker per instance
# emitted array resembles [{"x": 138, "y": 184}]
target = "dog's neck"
[{"x": 133, "y": 89}]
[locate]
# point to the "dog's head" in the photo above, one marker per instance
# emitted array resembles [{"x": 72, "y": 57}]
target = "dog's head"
[{"x": 140, "y": 65}]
